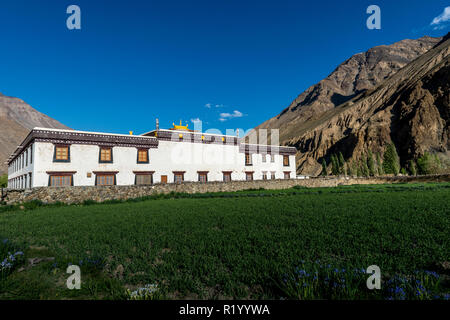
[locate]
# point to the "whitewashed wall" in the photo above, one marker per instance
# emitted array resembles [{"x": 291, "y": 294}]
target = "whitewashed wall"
[
  {"x": 168, "y": 157},
  {"x": 18, "y": 175}
]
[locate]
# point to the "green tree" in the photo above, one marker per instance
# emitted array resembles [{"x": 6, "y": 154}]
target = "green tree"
[
  {"x": 341, "y": 163},
  {"x": 358, "y": 171},
  {"x": 3, "y": 181},
  {"x": 334, "y": 165},
  {"x": 324, "y": 168},
  {"x": 391, "y": 161},
  {"x": 412, "y": 168},
  {"x": 364, "y": 167},
  {"x": 379, "y": 165},
  {"x": 371, "y": 164},
  {"x": 352, "y": 168}
]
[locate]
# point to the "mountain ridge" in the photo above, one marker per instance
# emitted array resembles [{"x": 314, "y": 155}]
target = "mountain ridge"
[
  {"x": 325, "y": 129},
  {"x": 17, "y": 118}
]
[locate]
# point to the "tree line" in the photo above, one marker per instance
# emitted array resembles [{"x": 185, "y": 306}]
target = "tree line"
[{"x": 371, "y": 164}]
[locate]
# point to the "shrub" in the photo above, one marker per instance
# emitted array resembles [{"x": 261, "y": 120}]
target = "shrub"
[
  {"x": 429, "y": 164},
  {"x": 89, "y": 202},
  {"x": 3, "y": 181}
]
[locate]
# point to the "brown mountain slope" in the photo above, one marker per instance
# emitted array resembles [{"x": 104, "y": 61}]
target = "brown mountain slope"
[
  {"x": 361, "y": 72},
  {"x": 16, "y": 119},
  {"x": 411, "y": 108}
]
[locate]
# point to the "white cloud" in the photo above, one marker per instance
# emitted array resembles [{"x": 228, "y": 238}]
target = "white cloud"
[
  {"x": 210, "y": 105},
  {"x": 226, "y": 116},
  {"x": 196, "y": 120},
  {"x": 440, "y": 19}
]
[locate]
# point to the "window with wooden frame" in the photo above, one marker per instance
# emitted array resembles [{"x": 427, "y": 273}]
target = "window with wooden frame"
[
  {"x": 264, "y": 158},
  {"x": 59, "y": 179},
  {"x": 203, "y": 176},
  {"x": 178, "y": 176},
  {"x": 272, "y": 175},
  {"x": 105, "y": 155},
  {"x": 264, "y": 175},
  {"x": 248, "y": 159},
  {"x": 105, "y": 179},
  {"x": 286, "y": 161},
  {"x": 143, "y": 178},
  {"x": 226, "y": 176},
  {"x": 287, "y": 175},
  {"x": 142, "y": 156},
  {"x": 249, "y": 176},
  {"x": 62, "y": 153},
  {"x": 272, "y": 158}
]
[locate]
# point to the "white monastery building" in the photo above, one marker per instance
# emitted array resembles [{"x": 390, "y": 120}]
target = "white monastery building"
[{"x": 54, "y": 157}]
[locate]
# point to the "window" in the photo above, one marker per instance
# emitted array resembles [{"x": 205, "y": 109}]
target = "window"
[
  {"x": 264, "y": 158},
  {"x": 264, "y": 175},
  {"x": 178, "y": 177},
  {"x": 105, "y": 180},
  {"x": 287, "y": 175},
  {"x": 143, "y": 179},
  {"x": 60, "y": 180},
  {"x": 26, "y": 158},
  {"x": 286, "y": 161},
  {"x": 31, "y": 180},
  {"x": 226, "y": 176},
  {"x": 248, "y": 159},
  {"x": 203, "y": 176},
  {"x": 31, "y": 154},
  {"x": 142, "y": 156},
  {"x": 272, "y": 158},
  {"x": 105, "y": 155},
  {"x": 272, "y": 175},
  {"x": 249, "y": 176},
  {"x": 62, "y": 154}
]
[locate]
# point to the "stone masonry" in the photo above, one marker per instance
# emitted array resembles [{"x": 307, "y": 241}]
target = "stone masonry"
[{"x": 73, "y": 195}]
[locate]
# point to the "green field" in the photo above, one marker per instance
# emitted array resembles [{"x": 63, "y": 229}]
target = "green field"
[{"x": 259, "y": 244}]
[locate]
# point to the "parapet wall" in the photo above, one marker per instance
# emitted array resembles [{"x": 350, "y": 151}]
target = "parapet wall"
[{"x": 74, "y": 195}]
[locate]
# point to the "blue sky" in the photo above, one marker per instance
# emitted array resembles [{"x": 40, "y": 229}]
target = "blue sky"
[{"x": 230, "y": 63}]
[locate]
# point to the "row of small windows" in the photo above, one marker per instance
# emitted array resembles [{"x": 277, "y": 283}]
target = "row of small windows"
[
  {"x": 110, "y": 179},
  {"x": 248, "y": 159},
  {"x": 23, "y": 160},
  {"x": 22, "y": 182},
  {"x": 62, "y": 154}
]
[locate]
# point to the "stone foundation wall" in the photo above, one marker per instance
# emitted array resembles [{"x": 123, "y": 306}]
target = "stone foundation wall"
[{"x": 79, "y": 194}]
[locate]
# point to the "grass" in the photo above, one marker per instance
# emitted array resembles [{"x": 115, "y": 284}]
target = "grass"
[{"x": 248, "y": 244}]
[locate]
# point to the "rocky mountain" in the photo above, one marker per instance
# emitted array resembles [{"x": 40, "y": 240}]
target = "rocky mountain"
[
  {"x": 371, "y": 99},
  {"x": 16, "y": 119}
]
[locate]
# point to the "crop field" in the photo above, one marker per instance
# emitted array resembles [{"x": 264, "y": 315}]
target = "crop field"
[{"x": 257, "y": 244}]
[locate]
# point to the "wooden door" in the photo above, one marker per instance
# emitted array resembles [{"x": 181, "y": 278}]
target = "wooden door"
[{"x": 163, "y": 179}]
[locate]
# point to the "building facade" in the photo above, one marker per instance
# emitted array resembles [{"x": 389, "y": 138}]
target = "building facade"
[{"x": 53, "y": 157}]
